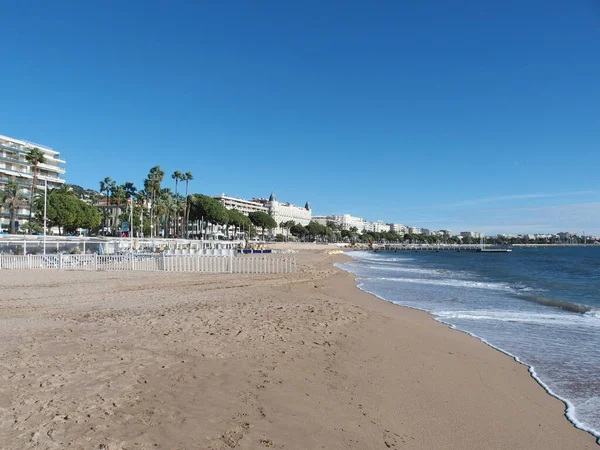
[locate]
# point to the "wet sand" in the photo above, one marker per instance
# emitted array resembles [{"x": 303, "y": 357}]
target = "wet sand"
[{"x": 294, "y": 361}]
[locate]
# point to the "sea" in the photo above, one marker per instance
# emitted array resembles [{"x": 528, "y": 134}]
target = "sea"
[{"x": 540, "y": 305}]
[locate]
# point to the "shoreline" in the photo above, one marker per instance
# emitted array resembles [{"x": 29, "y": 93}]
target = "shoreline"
[
  {"x": 303, "y": 360},
  {"x": 530, "y": 369}
]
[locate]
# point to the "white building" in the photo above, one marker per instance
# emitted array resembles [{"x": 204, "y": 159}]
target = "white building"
[
  {"x": 398, "y": 228},
  {"x": 471, "y": 234},
  {"x": 279, "y": 211},
  {"x": 414, "y": 230},
  {"x": 380, "y": 227},
  {"x": 14, "y": 167},
  {"x": 323, "y": 220},
  {"x": 284, "y": 212},
  {"x": 243, "y": 206},
  {"x": 346, "y": 222}
]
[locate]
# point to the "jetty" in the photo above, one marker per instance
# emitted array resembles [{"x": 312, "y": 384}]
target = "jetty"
[{"x": 439, "y": 247}]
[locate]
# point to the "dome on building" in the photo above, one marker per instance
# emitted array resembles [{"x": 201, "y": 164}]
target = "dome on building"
[
  {"x": 307, "y": 206},
  {"x": 272, "y": 197}
]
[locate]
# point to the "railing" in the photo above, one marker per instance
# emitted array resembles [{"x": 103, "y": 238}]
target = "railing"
[
  {"x": 152, "y": 262},
  {"x": 28, "y": 244}
]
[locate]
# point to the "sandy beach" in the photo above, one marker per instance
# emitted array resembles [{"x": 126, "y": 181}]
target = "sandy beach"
[{"x": 138, "y": 360}]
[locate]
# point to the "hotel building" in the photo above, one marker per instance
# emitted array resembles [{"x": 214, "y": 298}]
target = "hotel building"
[
  {"x": 14, "y": 167},
  {"x": 346, "y": 221},
  {"x": 398, "y": 228},
  {"x": 381, "y": 227},
  {"x": 243, "y": 206},
  {"x": 279, "y": 211},
  {"x": 284, "y": 212},
  {"x": 323, "y": 220}
]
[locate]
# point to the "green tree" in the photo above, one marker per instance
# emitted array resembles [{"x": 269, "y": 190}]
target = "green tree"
[
  {"x": 118, "y": 197},
  {"x": 262, "y": 220},
  {"x": 315, "y": 229},
  {"x": 334, "y": 226},
  {"x": 298, "y": 231},
  {"x": 130, "y": 189},
  {"x": 35, "y": 157},
  {"x": 208, "y": 209},
  {"x": 177, "y": 176},
  {"x": 153, "y": 186},
  {"x": 186, "y": 212},
  {"x": 13, "y": 199},
  {"x": 238, "y": 220},
  {"x": 130, "y": 194},
  {"x": 141, "y": 198},
  {"x": 107, "y": 185},
  {"x": 87, "y": 217},
  {"x": 62, "y": 211},
  {"x": 286, "y": 226}
]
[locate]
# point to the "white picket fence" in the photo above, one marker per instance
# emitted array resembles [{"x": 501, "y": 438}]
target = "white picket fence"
[{"x": 152, "y": 262}]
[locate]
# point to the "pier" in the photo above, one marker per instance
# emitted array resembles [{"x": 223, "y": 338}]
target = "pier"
[{"x": 439, "y": 247}]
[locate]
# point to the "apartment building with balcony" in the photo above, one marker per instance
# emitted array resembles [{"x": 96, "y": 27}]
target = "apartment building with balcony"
[
  {"x": 279, "y": 211},
  {"x": 14, "y": 167},
  {"x": 243, "y": 206}
]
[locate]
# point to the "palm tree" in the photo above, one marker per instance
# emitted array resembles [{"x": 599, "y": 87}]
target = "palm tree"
[
  {"x": 118, "y": 196},
  {"x": 187, "y": 177},
  {"x": 107, "y": 185},
  {"x": 142, "y": 200},
  {"x": 177, "y": 176},
  {"x": 65, "y": 189},
  {"x": 12, "y": 199},
  {"x": 162, "y": 208},
  {"x": 130, "y": 191},
  {"x": 35, "y": 157},
  {"x": 152, "y": 184}
]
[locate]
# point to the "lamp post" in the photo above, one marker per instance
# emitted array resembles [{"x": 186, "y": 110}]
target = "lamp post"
[
  {"x": 45, "y": 209},
  {"x": 131, "y": 224}
]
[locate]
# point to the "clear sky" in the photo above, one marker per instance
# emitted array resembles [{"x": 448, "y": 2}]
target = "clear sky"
[{"x": 459, "y": 114}]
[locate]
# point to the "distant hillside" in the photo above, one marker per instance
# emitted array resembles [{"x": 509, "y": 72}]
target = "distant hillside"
[{"x": 84, "y": 193}]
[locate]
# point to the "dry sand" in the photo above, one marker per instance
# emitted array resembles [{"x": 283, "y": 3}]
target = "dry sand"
[{"x": 295, "y": 361}]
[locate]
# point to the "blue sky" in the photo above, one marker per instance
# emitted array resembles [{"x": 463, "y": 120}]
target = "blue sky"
[{"x": 461, "y": 114}]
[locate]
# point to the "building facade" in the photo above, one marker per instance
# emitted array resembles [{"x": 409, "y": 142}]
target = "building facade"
[
  {"x": 284, "y": 212},
  {"x": 323, "y": 220},
  {"x": 346, "y": 222},
  {"x": 14, "y": 167},
  {"x": 243, "y": 206},
  {"x": 279, "y": 211},
  {"x": 398, "y": 228},
  {"x": 381, "y": 227},
  {"x": 471, "y": 234}
]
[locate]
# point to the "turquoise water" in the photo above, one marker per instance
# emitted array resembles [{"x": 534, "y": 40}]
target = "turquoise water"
[{"x": 540, "y": 305}]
